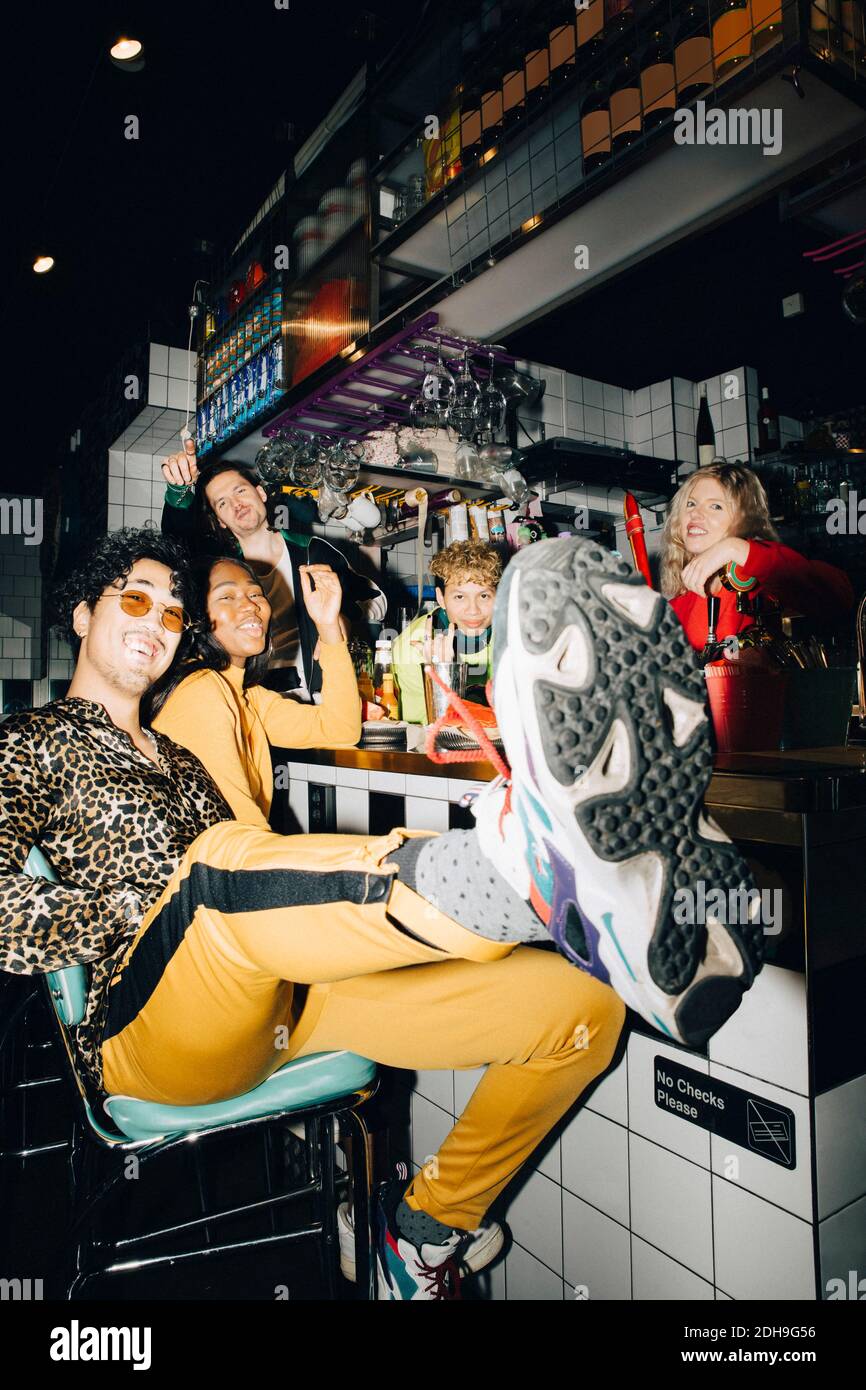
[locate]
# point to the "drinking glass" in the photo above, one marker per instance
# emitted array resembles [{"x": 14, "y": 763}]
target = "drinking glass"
[
  {"x": 462, "y": 410},
  {"x": 490, "y": 405}
]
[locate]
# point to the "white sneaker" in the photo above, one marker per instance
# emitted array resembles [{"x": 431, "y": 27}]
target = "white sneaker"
[
  {"x": 600, "y": 704},
  {"x": 481, "y": 1249}
]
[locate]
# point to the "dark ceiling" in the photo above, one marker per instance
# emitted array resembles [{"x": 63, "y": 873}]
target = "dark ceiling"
[{"x": 122, "y": 216}]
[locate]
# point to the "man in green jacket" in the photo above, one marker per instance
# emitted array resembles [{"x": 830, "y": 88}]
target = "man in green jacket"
[
  {"x": 467, "y": 575},
  {"x": 226, "y": 504}
]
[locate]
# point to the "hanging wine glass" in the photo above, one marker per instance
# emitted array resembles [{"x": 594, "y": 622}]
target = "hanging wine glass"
[
  {"x": 307, "y": 463},
  {"x": 490, "y": 406},
  {"x": 275, "y": 459},
  {"x": 464, "y": 401},
  {"x": 342, "y": 466},
  {"x": 437, "y": 390},
  {"x": 424, "y": 409}
]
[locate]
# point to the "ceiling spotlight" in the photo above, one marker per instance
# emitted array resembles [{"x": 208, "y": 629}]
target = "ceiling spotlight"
[
  {"x": 127, "y": 54},
  {"x": 43, "y": 263}
]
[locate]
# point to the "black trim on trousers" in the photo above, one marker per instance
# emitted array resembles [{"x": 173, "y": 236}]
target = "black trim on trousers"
[{"x": 227, "y": 891}]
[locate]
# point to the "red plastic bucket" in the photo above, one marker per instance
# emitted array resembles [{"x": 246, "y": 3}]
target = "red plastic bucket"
[{"x": 747, "y": 704}]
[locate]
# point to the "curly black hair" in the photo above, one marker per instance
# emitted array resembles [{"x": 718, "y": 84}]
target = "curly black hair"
[
  {"x": 199, "y": 649},
  {"x": 111, "y": 560}
]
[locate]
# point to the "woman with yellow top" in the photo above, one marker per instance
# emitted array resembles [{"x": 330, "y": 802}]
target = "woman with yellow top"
[{"x": 211, "y": 702}]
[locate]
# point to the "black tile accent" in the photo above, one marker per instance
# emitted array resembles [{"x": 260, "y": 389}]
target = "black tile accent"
[{"x": 386, "y": 811}]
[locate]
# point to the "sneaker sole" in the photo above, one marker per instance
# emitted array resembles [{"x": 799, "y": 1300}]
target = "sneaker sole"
[
  {"x": 602, "y": 708},
  {"x": 479, "y": 1255}
]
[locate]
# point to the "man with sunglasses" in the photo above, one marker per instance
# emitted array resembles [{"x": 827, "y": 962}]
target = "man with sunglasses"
[
  {"x": 414, "y": 948},
  {"x": 226, "y": 501}
]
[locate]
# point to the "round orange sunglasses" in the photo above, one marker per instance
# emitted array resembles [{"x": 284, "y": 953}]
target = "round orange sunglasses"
[{"x": 137, "y": 604}]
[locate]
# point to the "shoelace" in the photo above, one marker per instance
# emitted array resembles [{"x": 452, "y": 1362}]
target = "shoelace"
[
  {"x": 443, "y": 1281},
  {"x": 467, "y": 755}
]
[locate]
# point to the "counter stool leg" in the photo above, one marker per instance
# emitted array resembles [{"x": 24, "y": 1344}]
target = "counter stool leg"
[
  {"x": 328, "y": 1203},
  {"x": 361, "y": 1203}
]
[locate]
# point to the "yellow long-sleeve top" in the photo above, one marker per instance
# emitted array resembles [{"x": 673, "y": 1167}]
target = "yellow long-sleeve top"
[{"x": 230, "y": 730}]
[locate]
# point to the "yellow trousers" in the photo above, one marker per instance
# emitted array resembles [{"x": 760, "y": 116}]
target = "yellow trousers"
[{"x": 206, "y": 997}]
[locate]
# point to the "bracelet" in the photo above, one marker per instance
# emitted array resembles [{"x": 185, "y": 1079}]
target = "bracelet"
[{"x": 738, "y": 582}]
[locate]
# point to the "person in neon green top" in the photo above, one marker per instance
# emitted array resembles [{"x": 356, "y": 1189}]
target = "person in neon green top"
[{"x": 467, "y": 574}]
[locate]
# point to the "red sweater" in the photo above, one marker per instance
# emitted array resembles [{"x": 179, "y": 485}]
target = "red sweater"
[{"x": 803, "y": 586}]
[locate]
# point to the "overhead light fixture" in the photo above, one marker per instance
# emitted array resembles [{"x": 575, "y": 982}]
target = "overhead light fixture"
[
  {"x": 42, "y": 264},
  {"x": 127, "y": 54},
  {"x": 348, "y": 350},
  {"x": 531, "y": 223},
  {"x": 488, "y": 155}
]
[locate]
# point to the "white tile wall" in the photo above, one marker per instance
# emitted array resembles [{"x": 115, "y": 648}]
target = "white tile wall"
[
  {"x": 761, "y": 1252},
  {"x": 597, "y": 1254},
  {"x": 768, "y": 1035},
  {"x": 655, "y": 1277},
  {"x": 21, "y": 600},
  {"x": 670, "y": 1205}
]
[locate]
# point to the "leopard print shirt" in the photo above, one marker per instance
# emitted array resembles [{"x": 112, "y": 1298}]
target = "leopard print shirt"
[{"x": 113, "y": 826}]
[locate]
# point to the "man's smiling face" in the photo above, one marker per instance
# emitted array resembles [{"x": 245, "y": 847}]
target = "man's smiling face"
[{"x": 129, "y": 653}]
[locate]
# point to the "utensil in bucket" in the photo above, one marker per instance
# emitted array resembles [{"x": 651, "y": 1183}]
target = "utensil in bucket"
[{"x": 453, "y": 674}]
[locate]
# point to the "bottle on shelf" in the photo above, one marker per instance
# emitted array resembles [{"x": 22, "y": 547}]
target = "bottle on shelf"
[
  {"x": 562, "y": 43},
  {"x": 657, "y": 84},
  {"x": 595, "y": 127},
  {"x": 768, "y": 424},
  {"x": 618, "y": 16},
  {"x": 513, "y": 86},
  {"x": 590, "y": 31},
  {"x": 766, "y": 23},
  {"x": 732, "y": 34},
  {"x": 537, "y": 65},
  {"x": 802, "y": 491},
  {"x": 624, "y": 105},
  {"x": 705, "y": 435},
  {"x": 470, "y": 125}
]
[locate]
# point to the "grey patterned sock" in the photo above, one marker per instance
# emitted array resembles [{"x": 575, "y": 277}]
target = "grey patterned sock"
[
  {"x": 419, "y": 1228},
  {"x": 451, "y": 873}
]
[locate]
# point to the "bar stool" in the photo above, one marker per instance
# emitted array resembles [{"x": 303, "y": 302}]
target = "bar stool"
[{"x": 108, "y": 1130}]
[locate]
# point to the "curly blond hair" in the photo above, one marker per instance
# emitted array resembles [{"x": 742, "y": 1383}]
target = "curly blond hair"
[
  {"x": 472, "y": 560},
  {"x": 751, "y": 517}
]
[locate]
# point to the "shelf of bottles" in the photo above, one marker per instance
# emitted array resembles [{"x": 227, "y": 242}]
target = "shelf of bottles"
[
  {"x": 630, "y": 64},
  {"x": 241, "y": 363}
]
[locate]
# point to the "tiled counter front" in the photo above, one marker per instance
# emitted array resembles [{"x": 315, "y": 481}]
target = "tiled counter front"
[{"x": 627, "y": 1200}]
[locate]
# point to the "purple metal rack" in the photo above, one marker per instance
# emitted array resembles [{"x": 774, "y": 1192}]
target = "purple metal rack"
[{"x": 377, "y": 390}]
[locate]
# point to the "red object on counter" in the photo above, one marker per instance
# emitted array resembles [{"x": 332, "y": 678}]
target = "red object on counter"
[
  {"x": 634, "y": 529},
  {"x": 803, "y": 586},
  {"x": 747, "y": 703}
]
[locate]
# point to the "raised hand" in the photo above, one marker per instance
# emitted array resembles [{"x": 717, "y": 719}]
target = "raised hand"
[
  {"x": 323, "y": 602},
  {"x": 181, "y": 469}
]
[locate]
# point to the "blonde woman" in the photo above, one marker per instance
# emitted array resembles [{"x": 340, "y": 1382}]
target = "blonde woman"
[{"x": 719, "y": 523}]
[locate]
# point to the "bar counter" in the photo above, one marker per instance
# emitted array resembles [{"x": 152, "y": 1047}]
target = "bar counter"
[{"x": 634, "y": 1197}]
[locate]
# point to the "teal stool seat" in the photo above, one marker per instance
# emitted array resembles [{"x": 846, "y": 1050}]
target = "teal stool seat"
[{"x": 323, "y": 1076}]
